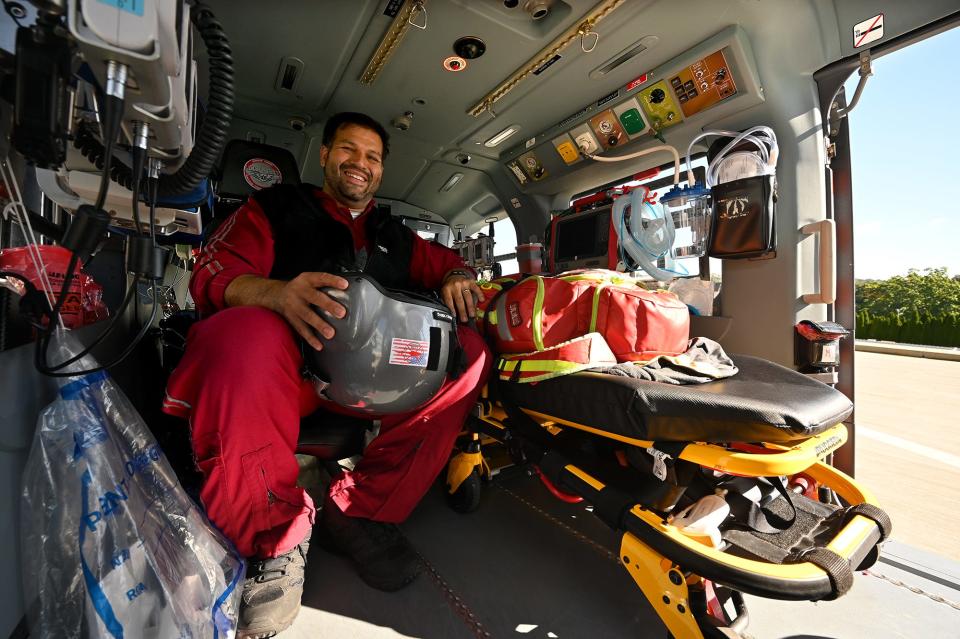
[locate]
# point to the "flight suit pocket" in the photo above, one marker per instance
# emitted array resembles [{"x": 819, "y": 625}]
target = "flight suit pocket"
[{"x": 271, "y": 503}]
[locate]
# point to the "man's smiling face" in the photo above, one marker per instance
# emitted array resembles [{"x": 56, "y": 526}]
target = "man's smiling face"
[{"x": 352, "y": 165}]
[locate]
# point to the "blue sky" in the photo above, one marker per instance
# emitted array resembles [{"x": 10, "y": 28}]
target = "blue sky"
[{"x": 906, "y": 161}]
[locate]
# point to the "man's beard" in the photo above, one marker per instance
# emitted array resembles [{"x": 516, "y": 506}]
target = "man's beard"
[{"x": 350, "y": 192}]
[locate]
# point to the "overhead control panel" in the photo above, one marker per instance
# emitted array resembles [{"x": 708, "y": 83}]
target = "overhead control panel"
[
  {"x": 713, "y": 80},
  {"x": 660, "y": 106},
  {"x": 630, "y": 119},
  {"x": 607, "y": 128},
  {"x": 703, "y": 84},
  {"x": 567, "y": 149}
]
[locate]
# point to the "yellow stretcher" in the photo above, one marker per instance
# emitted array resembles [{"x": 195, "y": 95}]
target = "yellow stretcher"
[{"x": 640, "y": 452}]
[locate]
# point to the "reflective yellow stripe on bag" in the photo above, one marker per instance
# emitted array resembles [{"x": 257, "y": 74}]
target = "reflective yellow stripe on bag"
[
  {"x": 595, "y": 308},
  {"x": 575, "y": 355},
  {"x": 536, "y": 370}
]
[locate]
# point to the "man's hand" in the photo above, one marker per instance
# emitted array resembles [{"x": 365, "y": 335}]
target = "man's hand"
[
  {"x": 299, "y": 301},
  {"x": 460, "y": 293}
]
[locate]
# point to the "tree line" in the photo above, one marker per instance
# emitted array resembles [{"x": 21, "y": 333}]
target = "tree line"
[{"x": 921, "y": 307}]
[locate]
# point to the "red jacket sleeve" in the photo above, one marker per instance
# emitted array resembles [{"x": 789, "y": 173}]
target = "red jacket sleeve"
[
  {"x": 243, "y": 245},
  {"x": 430, "y": 262}
]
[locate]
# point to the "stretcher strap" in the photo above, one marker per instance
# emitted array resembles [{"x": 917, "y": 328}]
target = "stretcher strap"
[
  {"x": 763, "y": 519},
  {"x": 870, "y": 511},
  {"x": 837, "y": 568}
]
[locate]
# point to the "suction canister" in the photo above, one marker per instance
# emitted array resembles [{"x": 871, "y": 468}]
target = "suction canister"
[{"x": 692, "y": 213}]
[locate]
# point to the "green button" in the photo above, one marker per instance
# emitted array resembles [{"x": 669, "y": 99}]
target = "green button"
[{"x": 632, "y": 121}]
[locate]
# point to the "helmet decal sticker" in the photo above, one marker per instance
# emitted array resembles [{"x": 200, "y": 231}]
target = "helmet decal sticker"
[{"x": 409, "y": 352}]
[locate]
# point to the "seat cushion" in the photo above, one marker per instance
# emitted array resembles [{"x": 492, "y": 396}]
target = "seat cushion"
[{"x": 764, "y": 402}]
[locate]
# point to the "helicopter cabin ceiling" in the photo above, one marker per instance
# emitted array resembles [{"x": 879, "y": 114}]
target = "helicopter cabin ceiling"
[{"x": 298, "y": 61}]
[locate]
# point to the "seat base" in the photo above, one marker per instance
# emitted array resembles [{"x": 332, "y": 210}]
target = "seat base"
[{"x": 329, "y": 436}]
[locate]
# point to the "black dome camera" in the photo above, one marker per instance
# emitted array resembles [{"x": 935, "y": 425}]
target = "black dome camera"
[{"x": 469, "y": 47}]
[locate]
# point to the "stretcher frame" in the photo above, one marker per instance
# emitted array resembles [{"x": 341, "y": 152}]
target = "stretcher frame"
[{"x": 686, "y": 580}]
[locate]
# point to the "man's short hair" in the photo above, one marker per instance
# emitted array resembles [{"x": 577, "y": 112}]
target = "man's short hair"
[{"x": 345, "y": 118}]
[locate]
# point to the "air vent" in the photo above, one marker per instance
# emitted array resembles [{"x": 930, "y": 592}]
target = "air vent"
[
  {"x": 635, "y": 49},
  {"x": 288, "y": 77}
]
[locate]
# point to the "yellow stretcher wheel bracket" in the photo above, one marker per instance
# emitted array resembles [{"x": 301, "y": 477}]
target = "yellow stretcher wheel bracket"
[
  {"x": 461, "y": 466},
  {"x": 466, "y": 498},
  {"x": 662, "y": 584},
  {"x": 463, "y": 479}
]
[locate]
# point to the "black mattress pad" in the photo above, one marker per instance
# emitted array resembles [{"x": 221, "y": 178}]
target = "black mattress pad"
[{"x": 764, "y": 402}]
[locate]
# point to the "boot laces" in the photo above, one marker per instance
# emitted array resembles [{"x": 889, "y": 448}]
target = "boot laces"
[{"x": 274, "y": 568}]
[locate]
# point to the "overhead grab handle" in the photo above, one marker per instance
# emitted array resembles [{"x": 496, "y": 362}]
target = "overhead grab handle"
[{"x": 826, "y": 261}]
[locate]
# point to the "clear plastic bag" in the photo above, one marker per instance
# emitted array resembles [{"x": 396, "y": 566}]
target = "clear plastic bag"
[
  {"x": 695, "y": 292},
  {"x": 112, "y": 546}
]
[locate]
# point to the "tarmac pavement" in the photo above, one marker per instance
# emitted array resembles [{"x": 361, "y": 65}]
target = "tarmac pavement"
[{"x": 908, "y": 445}]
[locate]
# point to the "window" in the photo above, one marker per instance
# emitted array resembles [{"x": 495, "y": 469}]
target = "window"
[
  {"x": 432, "y": 231},
  {"x": 505, "y": 249},
  {"x": 505, "y": 244}
]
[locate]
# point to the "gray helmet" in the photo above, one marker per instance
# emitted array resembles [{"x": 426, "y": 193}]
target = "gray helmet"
[{"x": 391, "y": 352}]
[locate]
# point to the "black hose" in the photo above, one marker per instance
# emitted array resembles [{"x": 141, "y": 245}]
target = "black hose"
[
  {"x": 212, "y": 135},
  {"x": 152, "y": 187},
  {"x": 112, "y": 117},
  {"x": 56, "y": 372},
  {"x": 43, "y": 339},
  {"x": 99, "y": 338},
  {"x": 215, "y": 122},
  {"x": 139, "y": 159}
]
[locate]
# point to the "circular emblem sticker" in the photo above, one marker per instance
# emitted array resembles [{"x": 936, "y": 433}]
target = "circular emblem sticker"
[{"x": 261, "y": 173}]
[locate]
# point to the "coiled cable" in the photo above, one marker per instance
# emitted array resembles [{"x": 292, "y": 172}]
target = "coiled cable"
[
  {"x": 90, "y": 147},
  {"x": 214, "y": 126}
]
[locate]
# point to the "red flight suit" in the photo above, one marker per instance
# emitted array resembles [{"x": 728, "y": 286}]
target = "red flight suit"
[{"x": 240, "y": 385}]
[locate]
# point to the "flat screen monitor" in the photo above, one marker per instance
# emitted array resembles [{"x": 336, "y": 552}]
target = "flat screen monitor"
[{"x": 580, "y": 240}]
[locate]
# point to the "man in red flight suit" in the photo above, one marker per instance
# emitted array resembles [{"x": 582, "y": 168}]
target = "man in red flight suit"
[{"x": 240, "y": 385}]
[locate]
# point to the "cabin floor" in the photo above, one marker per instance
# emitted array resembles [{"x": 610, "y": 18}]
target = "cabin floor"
[{"x": 526, "y": 564}]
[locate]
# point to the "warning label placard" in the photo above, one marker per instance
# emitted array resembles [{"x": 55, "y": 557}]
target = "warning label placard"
[
  {"x": 868, "y": 31},
  {"x": 409, "y": 352}
]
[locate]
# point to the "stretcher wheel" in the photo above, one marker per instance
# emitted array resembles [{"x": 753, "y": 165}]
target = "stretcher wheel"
[{"x": 466, "y": 498}]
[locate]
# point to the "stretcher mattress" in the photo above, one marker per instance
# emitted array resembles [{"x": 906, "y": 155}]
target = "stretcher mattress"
[{"x": 764, "y": 402}]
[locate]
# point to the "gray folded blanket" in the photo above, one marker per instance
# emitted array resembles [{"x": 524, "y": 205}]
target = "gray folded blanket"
[{"x": 703, "y": 361}]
